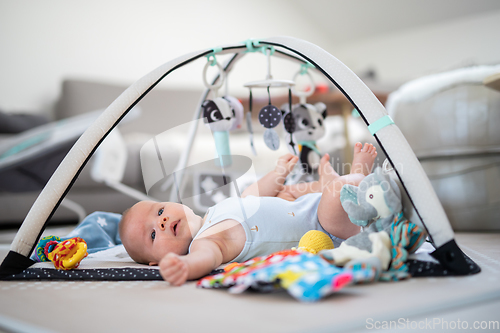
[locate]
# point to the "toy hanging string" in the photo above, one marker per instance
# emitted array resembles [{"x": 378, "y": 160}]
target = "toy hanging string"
[
  {"x": 249, "y": 122},
  {"x": 292, "y": 144},
  {"x": 250, "y": 102}
]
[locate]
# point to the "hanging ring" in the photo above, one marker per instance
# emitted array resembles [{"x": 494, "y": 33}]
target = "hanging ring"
[
  {"x": 304, "y": 94},
  {"x": 213, "y": 87}
]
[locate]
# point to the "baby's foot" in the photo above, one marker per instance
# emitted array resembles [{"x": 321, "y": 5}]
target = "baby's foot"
[
  {"x": 363, "y": 159},
  {"x": 326, "y": 172},
  {"x": 285, "y": 164}
]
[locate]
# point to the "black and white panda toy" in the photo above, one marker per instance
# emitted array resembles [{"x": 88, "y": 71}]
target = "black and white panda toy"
[
  {"x": 221, "y": 115},
  {"x": 218, "y": 114},
  {"x": 306, "y": 125}
]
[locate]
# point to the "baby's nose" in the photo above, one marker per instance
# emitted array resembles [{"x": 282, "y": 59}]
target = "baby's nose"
[{"x": 163, "y": 223}]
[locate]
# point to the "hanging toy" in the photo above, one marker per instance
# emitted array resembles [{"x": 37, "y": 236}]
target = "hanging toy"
[
  {"x": 221, "y": 114},
  {"x": 309, "y": 127},
  {"x": 289, "y": 123},
  {"x": 65, "y": 255},
  {"x": 249, "y": 123},
  {"x": 305, "y": 123},
  {"x": 236, "y": 111},
  {"x": 269, "y": 116}
]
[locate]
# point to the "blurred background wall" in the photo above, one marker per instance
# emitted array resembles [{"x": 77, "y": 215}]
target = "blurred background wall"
[{"x": 119, "y": 41}]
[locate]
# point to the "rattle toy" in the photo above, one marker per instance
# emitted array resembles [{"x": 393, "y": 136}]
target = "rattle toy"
[
  {"x": 221, "y": 114},
  {"x": 65, "y": 255}
]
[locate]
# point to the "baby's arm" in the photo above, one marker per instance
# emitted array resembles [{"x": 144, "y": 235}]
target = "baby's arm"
[
  {"x": 272, "y": 183},
  {"x": 199, "y": 262}
]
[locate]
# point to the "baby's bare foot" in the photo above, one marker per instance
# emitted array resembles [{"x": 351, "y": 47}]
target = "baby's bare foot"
[
  {"x": 363, "y": 159},
  {"x": 326, "y": 172},
  {"x": 285, "y": 164}
]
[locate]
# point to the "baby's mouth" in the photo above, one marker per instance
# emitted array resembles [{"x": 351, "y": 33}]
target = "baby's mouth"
[{"x": 173, "y": 227}]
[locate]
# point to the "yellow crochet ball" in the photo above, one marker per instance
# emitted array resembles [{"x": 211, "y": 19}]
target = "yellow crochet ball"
[{"x": 314, "y": 241}]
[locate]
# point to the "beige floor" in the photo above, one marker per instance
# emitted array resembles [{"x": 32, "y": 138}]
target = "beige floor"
[{"x": 151, "y": 306}]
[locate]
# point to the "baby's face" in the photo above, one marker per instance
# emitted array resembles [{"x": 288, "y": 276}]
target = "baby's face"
[{"x": 154, "y": 229}]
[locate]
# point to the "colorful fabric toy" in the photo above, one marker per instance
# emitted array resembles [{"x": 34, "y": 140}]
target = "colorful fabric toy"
[
  {"x": 406, "y": 237},
  {"x": 234, "y": 271},
  {"x": 303, "y": 275}
]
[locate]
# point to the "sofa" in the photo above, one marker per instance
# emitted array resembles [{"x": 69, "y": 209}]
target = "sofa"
[{"x": 81, "y": 98}]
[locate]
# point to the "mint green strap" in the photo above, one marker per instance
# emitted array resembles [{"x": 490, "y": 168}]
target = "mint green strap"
[
  {"x": 310, "y": 144},
  {"x": 379, "y": 124},
  {"x": 253, "y": 45},
  {"x": 304, "y": 67},
  {"x": 211, "y": 56}
]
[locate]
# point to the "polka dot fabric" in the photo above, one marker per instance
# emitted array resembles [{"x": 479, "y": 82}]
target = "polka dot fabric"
[
  {"x": 289, "y": 122},
  {"x": 269, "y": 116},
  {"x": 109, "y": 274}
]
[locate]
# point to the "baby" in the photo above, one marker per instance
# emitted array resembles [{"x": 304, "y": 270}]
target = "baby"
[{"x": 268, "y": 217}]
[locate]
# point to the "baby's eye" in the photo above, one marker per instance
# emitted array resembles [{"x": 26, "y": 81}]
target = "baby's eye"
[
  {"x": 153, "y": 235},
  {"x": 160, "y": 211}
]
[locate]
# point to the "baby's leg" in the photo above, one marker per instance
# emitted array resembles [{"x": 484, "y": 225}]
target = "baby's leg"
[
  {"x": 331, "y": 214},
  {"x": 272, "y": 183}
]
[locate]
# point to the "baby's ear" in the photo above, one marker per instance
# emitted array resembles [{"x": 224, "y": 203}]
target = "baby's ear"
[{"x": 152, "y": 263}]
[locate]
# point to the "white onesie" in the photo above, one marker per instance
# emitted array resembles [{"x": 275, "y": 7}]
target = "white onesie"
[{"x": 271, "y": 224}]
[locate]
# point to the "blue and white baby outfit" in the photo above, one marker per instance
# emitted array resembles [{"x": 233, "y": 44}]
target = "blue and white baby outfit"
[{"x": 271, "y": 224}]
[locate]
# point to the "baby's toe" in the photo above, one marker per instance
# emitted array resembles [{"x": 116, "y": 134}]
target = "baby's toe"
[{"x": 357, "y": 147}]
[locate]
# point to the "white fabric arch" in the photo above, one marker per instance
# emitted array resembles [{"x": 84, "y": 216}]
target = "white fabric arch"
[{"x": 408, "y": 169}]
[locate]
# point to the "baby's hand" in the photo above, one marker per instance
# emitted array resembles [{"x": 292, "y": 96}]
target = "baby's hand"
[
  {"x": 174, "y": 269},
  {"x": 285, "y": 164}
]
